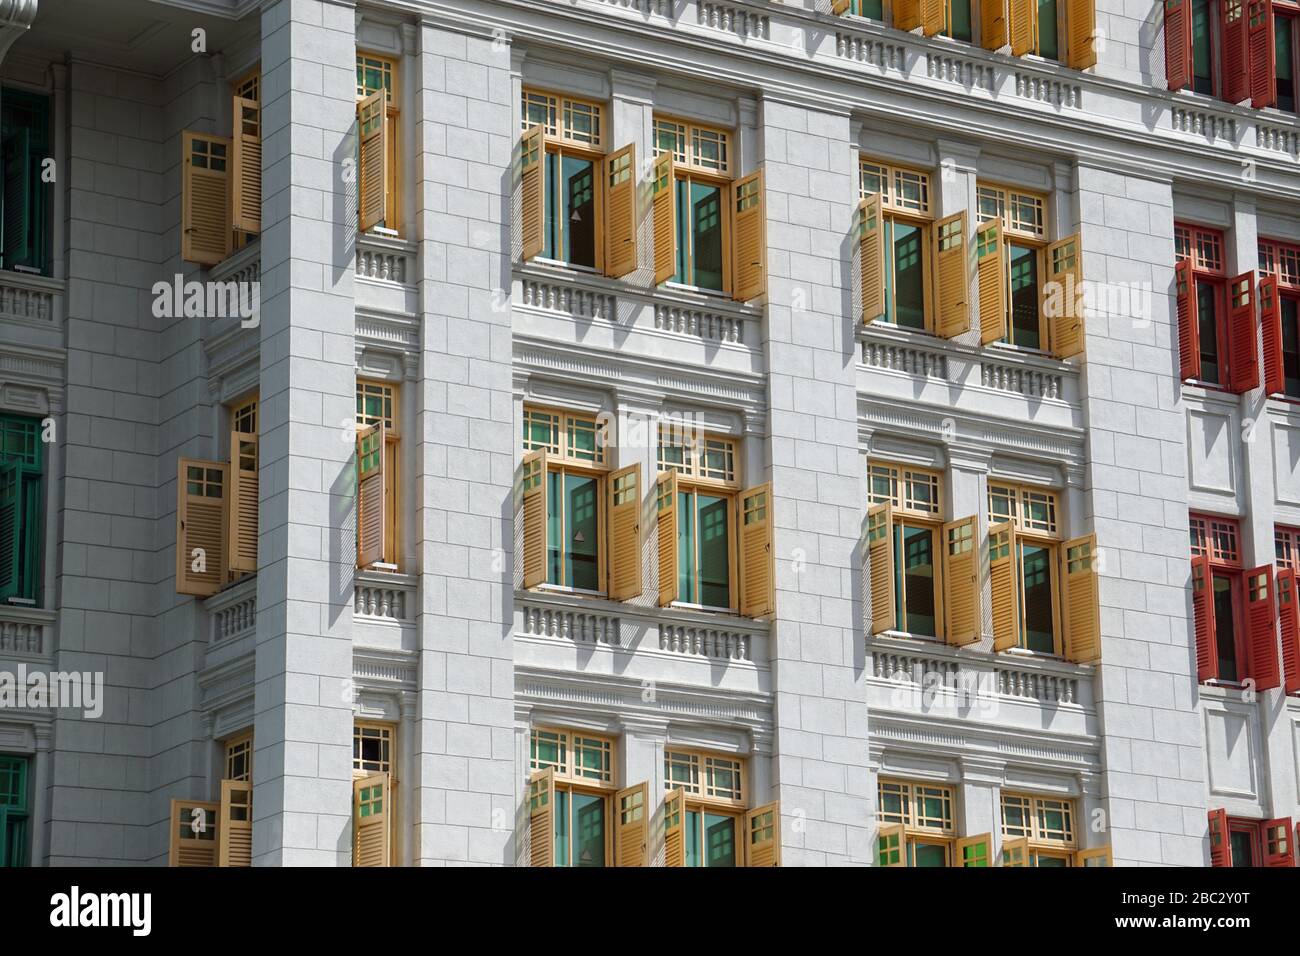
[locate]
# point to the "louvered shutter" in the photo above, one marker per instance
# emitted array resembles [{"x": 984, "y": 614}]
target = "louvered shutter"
[
  {"x": 1261, "y": 628},
  {"x": 664, "y": 210},
  {"x": 632, "y": 832},
  {"x": 880, "y": 559},
  {"x": 1020, "y": 14},
  {"x": 763, "y": 835},
  {"x": 1203, "y": 618},
  {"x": 372, "y": 161},
  {"x": 235, "y": 837},
  {"x": 246, "y": 205},
  {"x": 371, "y": 805},
  {"x": 1189, "y": 339},
  {"x": 1261, "y": 53},
  {"x": 674, "y": 828},
  {"x": 993, "y": 24},
  {"x": 1288, "y": 617},
  {"x": 625, "y": 533},
  {"x": 541, "y": 818},
  {"x": 11, "y": 530},
  {"x": 241, "y": 544},
  {"x": 871, "y": 255},
  {"x": 1220, "y": 851},
  {"x": 1178, "y": 44},
  {"x": 1278, "y": 847},
  {"x": 1082, "y": 614},
  {"x": 371, "y": 519},
  {"x": 532, "y": 191},
  {"x": 532, "y": 492},
  {"x": 756, "y": 559},
  {"x": 1233, "y": 61},
  {"x": 194, "y": 833},
  {"x": 975, "y": 851},
  {"x": 1065, "y": 269},
  {"x": 620, "y": 212},
  {"x": 749, "y": 227},
  {"x": 200, "y": 526},
  {"x": 953, "y": 278},
  {"x": 907, "y": 14},
  {"x": 1243, "y": 345},
  {"x": 839, "y": 6},
  {"x": 666, "y": 521},
  {"x": 1080, "y": 29},
  {"x": 1270, "y": 317},
  {"x": 18, "y": 186},
  {"x": 1002, "y": 584},
  {"x": 992, "y": 280},
  {"x": 205, "y": 198},
  {"x": 934, "y": 17},
  {"x": 961, "y": 584}
]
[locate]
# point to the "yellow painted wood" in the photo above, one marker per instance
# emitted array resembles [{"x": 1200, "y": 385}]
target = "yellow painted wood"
[
  {"x": 246, "y": 201},
  {"x": 763, "y": 835},
  {"x": 632, "y": 826},
  {"x": 871, "y": 256},
  {"x": 205, "y": 199},
  {"x": 371, "y": 797},
  {"x": 1079, "y": 581},
  {"x": 624, "y": 508},
  {"x": 991, "y": 276},
  {"x": 666, "y": 505},
  {"x": 194, "y": 833},
  {"x": 880, "y": 556},
  {"x": 952, "y": 275},
  {"x": 749, "y": 227},
  {"x": 1002, "y": 584},
  {"x": 961, "y": 584},
  {"x": 620, "y": 212},
  {"x": 201, "y": 530},
  {"x": 533, "y": 485},
  {"x": 664, "y": 209},
  {"x": 756, "y": 559},
  {"x": 372, "y": 165},
  {"x": 675, "y": 828},
  {"x": 372, "y": 520},
  {"x": 235, "y": 834}
]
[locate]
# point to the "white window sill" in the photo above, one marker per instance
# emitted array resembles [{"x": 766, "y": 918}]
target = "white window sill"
[{"x": 561, "y": 589}]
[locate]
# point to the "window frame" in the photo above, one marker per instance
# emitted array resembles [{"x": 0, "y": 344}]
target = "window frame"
[
  {"x": 391, "y": 66},
  {"x": 392, "y": 393},
  {"x": 1032, "y": 831},
  {"x": 234, "y": 748},
  {"x": 1281, "y": 260},
  {"x": 687, "y": 171},
  {"x": 40, "y": 205},
  {"x": 1008, "y": 199},
  {"x": 1286, "y": 546},
  {"x": 561, "y": 451},
  {"x": 31, "y": 488},
  {"x": 1205, "y": 248},
  {"x": 17, "y": 812},
  {"x": 894, "y": 210},
  {"x": 1050, "y": 538},
  {"x": 906, "y": 513},
  {"x": 697, "y": 798},
  {"x": 568, "y": 779},
  {"x": 1206, "y": 531}
]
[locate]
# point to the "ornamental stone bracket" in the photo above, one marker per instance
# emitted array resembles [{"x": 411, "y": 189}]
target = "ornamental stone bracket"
[{"x": 16, "y": 18}]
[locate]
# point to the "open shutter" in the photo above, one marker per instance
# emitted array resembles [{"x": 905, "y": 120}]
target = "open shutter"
[
  {"x": 907, "y": 14},
  {"x": 1243, "y": 346},
  {"x": 1178, "y": 44},
  {"x": 532, "y": 488},
  {"x": 934, "y": 16},
  {"x": 1065, "y": 270},
  {"x": 200, "y": 526},
  {"x": 541, "y": 818},
  {"x": 372, "y": 161},
  {"x": 1235, "y": 80},
  {"x": 756, "y": 562},
  {"x": 748, "y": 271},
  {"x": 991, "y": 276},
  {"x": 1270, "y": 317},
  {"x": 666, "y": 511},
  {"x": 674, "y": 828},
  {"x": 11, "y": 530},
  {"x": 371, "y": 519},
  {"x": 880, "y": 558},
  {"x": 839, "y": 6},
  {"x": 953, "y": 279},
  {"x": 1015, "y": 852},
  {"x": 193, "y": 833},
  {"x": 620, "y": 212},
  {"x": 664, "y": 209},
  {"x": 631, "y": 837},
  {"x": 1189, "y": 338},
  {"x": 1080, "y": 28},
  {"x": 1203, "y": 618},
  {"x": 1261, "y": 628},
  {"x": 1262, "y": 55},
  {"x": 974, "y": 851},
  {"x": 871, "y": 253},
  {"x": 1020, "y": 14},
  {"x": 246, "y": 204},
  {"x": 763, "y": 835},
  {"x": 1082, "y": 615},
  {"x": 18, "y": 185},
  {"x": 1220, "y": 853},
  {"x": 532, "y": 191},
  {"x": 205, "y": 198},
  {"x": 961, "y": 598},
  {"x": 370, "y": 809},
  {"x": 235, "y": 836},
  {"x": 1288, "y": 618},
  {"x": 1002, "y": 584},
  {"x": 1279, "y": 850},
  {"x": 624, "y": 533},
  {"x": 1097, "y": 856},
  {"x": 993, "y": 24},
  {"x": 241, "y": 544},
  {"x": 891, "y": 848}
]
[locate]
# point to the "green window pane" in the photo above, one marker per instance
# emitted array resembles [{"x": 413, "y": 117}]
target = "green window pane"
[
  {"x": 715, "y": 555},
  {"x": 686, "y": 548},
  {"x": 1036, "y": 599},
  {"x": 959, "y": 20},
  {"x": 24, "y": 145},
  {"x": 1047, "y": 29},
  {"x": 561, "y": 811},
  {"x": 1242, "y": 844},
  {"x": 1024, "y": 297},
  {"x": 693, "y": 857},
  {"x": 1052, "y": 861},
  {"x": 582, "y": 562},
  {"x": 719, "y": 840},
  {"x": 907, "y": 249},
  {"x": 1207, "y": 324},
  {"x": 1202, "y": 48},
  {"x": 13, "y": 782},
  {"x": 554, "y": 528},
  {"x": 1225, "y": 634},
  {"x": 875, "y": 9},
  {"x": 579, "y": 190},
  {"x": 683, "y": 222},
  {"x": 916, "y": 555},
  {"x": 545, "y": 749},
  {"x": 551, "y": 225},
  {"x": 706, "y": 236},
  {"x": 588, "y": 830},
  {"x": 929, "y": 854},
  {"x": 1284, "y": 46}
]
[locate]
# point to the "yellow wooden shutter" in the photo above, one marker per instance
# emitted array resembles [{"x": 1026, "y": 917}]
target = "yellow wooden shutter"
[
  {"x": 756, "y": 559},
  {"x": 952, "y": 275},
  {"x": 625, "y": 533},
  {"x": 241, "y": 543},
  {"x": 907, "y": 14},
  {"x": 532, "y": 191},
  {"x": 1082, "y": 616},
  {"x": 975, "y": 851},
  {"x": 666, "y": 519},
  {"x": 763, "y": 835},
  {"x": 1098, "y": 856},
  {"x": 1080, "y": 25},
  {"x": 891, "y": 845},
  {"x": 194, "y": 833},
  {"x": 749, "y": 277},
  {"x": 1065, "y": 306},
  {"x": 934, "y": 16},
  {"x": 1021, "y": 14},
  {"x": 880, "y": 556},
  {"x": 246, "y": 203},
  {"x": 1015, "y": 852},
  {"x": 961, "y": 594},
  {"x": 532, "y": 485},
  {"x": 839, "y": 6},
  {"x": 992, "y": 282},
  {"x": 632, "y": 827},
  {"x": 371, "y": 804},
  {"x": 371, "y": 519},
  {"x": 620, "y": 212},
  {"x": 372, "y": 159},
  {"x": 205, "y": 198},
  {"x": 674, "y": 828},
  {"x": 871, "y": 254},
  {"x": 664, "y": 208},
  {"x": 993, "y": 24},
  {"x": 235, "y": 837},
  {"x": 541, "y": 816},
  {"x": 1002, "y": 584},
  {"x": 200, "y": 526}
]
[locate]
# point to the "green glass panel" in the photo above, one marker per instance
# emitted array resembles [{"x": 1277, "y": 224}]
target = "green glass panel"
[
  {"x": 1225, "y": 634},
  {"x": 683, "y": 222},
  {"x": 706, "y": 236},
  {"x": 1024, "y": 297},
  {"x": 875, "y": 9},
  {"x": 1242, "y": 845},
  {"x": 24, "y": 145},
  {"x": 1202, "y": 48},
  {"x": 692, "y": 840},
  {"x": 1051, "y": 861},
  {"x": 561, "y": 812},
  {"x": 551, "y": 223},
  {"x": 1047, "y": 29},
  {"x": 686, "y": 547},
  {"x": 589, "y": 830},
  {"x": 907, "y": 250},
  {"x": 719, "y": 840},
  {"x": 582, "y": 561},
  {"x": 928, "y": 854},
  {"x": 1036, "y": 601},
  {"x": 554, "y": 528},
  {"x": 715, "y": 555},
  {"x": 1207, "y": 324},
  {"x": 959, "y": 22}
]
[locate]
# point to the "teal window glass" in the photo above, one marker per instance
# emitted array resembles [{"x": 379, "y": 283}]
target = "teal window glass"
[
  {"x": 561, "y": 811},
  {"x": 710, "y": 839},
  {"x": 1050, "y": 861},
  {"x": 1036, "y": 617},
  {"x": 699, "y": 234},
  {"x": 1047, "y": 35},
  {"x": 874, "y": 9},
  {"x": 570, "y": 229},
  {"x": 1225, "y": 633},
  {"x": 703, "y": 552},
  {"x": 1291, "y": 346},
  {"x": 959, "y": 20},
  {"x": 24, "y": 146},
  {"x": 588, "y": 830},
  {"x": 1284, "y": 46},
  {"x": 1207, "y": 323},
  {"x": 928, "y": 854},
  {"x": 13, "y": 811},
  {"x": 1242, "y": 844},
  {"x": 1025, "y": 331},
  {"x": 572, "y": 532},
  {"x": 914, "y": 578},
  {"x": 1202, "y": 47},
  {"x": 905, "y": 273},
  {"x": 20, "y": 509},
  {"x": 692, "y": 827}
]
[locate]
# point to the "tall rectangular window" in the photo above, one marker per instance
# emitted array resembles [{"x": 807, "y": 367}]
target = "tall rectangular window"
[
  {"x": 907, "y": 224},
  {"x": 713, "y": 789},
  {"x": 13, "y": 811},
  {"x": 959, "y": 20},
  {"x": 1284, "y": 41},
  {"x": 24, "y": 147},
  {"x": 21, "y": 454},
  {"x": 1048, "y": 30},
  {"x": 574, "y": 136},
  {"x": 1038, "y": 831},
  {"x": 583, "y": 766},
  {"x": 1032, "y": 547},
  {"x": 1024, "y": 229},
  {"x": 702, "y": 171},
  {"x": 1203, "y": 59},
  {"x": 375, "y": 74},
  {"x": 1202, "y": 249}
]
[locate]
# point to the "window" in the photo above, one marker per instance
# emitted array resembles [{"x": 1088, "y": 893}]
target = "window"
[
  {"x": 695, "y": 454},
  {"x": 13, "y": 808},
  {"x": 21, "y": 453},
  {"x": 378, "y": 470},
  {"x": 905, "y": 230},
  {"x": 239, "y": 758},
  {"x": 572, "y": 134},
  {"x": 1279, "y": 300},
  {"x": 1216, "y": 314},
  {"x": 246, "y": 157},
  {"x": 573, "y": 755},
  {"x": 578, "y": 438},
  {"x": 913, "y": 495},
  {"x": 712, "y": 803},
  {"x": 1239, "y": 50},
  {"x": 917, "y": 824},
  {"x": 372, "y": 748},
  {"x": 704, "y": 469},
  {"x": 24, "y": 147},
  {"x": 1020, "y": 216},
  {"x": 1240, "y": 841},
  {"x": 379, "y": 155},
  {"x": 582, "y": 778},
  {"x": 1286, "y": 543},
  {"x": 374, "y": 788},
  {"x": 1024, "y": 568},
  {"x": 1285, "y": 23},
  {"x": 1039, "y": 831}
]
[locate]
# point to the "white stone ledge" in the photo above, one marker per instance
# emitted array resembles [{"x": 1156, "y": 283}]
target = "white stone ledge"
[{"x": 26, "y": 633}]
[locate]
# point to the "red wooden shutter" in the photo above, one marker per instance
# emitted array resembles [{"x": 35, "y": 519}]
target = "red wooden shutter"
[
  {"x": 1178, "y": 43},
  {"x": 1278, "y": 848},
  {"x": 1288, "y": 618},
  {"x": 1260, "y": 629},
  {"x": 1270, "y": 317},
  {"x": 1263, "y": 55},
  {"x": 1203, "y": 618},
  {"x": 1235, "y": 79},
  {"x": 1189, "y": 343},
  {"x": 1243, "y": 347},
  {"x": 1219, "y": 852}
]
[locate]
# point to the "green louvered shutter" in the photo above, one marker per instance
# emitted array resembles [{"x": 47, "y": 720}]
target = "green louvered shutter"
[
  {"x": 11, "y": 529},
  {"x": 17, "y": 189}
]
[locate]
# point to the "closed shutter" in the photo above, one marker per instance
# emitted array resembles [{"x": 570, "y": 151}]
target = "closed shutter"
[
  {"x": 674, "y": 828},
  {"x": 620, "y": 212},
  {"x": 11, "y": 530},
  {"x": 1243, "y": 345},
  {"x": 205, "y": 198},
  {"x": 1097, "y": 856},
  {"x": 242, "y": 539},
  {"x": 1203, "y": 618},
  {"x": 18, "y": 186},
  {"x": 1020, "y": 13},
  {"x": 194, "y": 832},
  {"x": 1220, "y": 852},
  {"x": 907, "y": 14},
  {"x": 372, "y": 161},
  {"x": 1189, "y": 338},
  {"x": 1002, "y": 584},
  {"x": 664, "y": 210},
  {"x": 961, "y": 596},
  {"x": 1082, "y": 614},
  {"x": 1080, "y": 27},
  {"x": 1235, "y": 79},
  {"x": 993, "y": 24},
  {"x": 880, "y": 560},
  {"x": 976, "y": 851},
  {"x": 934, "y": 19},
  {"x": 532, "y": 492},
  {"x": 200, "y": 526},
  {"x": 953, "y": 279},
  {"x": 666, "y": 521},
  {"x": 1270, "y": 316},
  {"x": 1262, "y": 54},
  {"x": 992, "y": 280},
  {"x": 371, "y": 519},
  {"x": 1261, "y": 628},
  {"x": 1178, "y": 44},
  {"x": 1065, "y": 270},
  {"x": 632, "y": 835},
  {"x": 756, "y": 558},
  {"x": 541, "y": 818},
  {"x": 763, "y": 835},
  {"x": 624, "y": 533},
  {"x": 1288, "y": 617},
  {"x": 235, "y": 839},
  {"x": 871, "y": 255},
  {"x": 246, "y": 206},
  {"x": 891, "y": 845},
  {"x": 749, "y": 227},
  {"x": 1015, "y": 852},
  {"x": 532, "y": 191},
  {"x": 370, "y": 815},
  {"x": 1279, "y": 850}
]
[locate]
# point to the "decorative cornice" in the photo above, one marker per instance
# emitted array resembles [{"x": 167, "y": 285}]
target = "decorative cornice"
[{"x": 16, "y": 17}]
